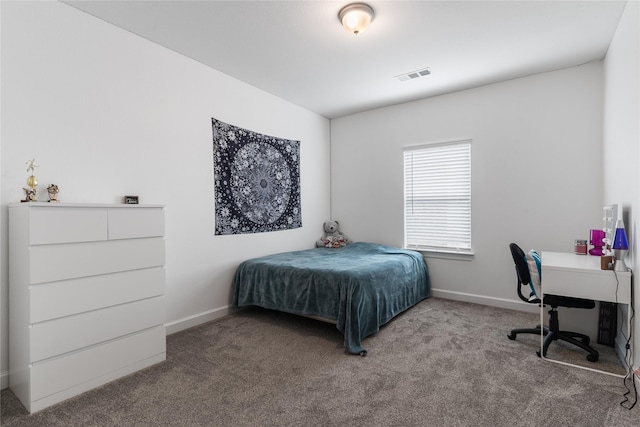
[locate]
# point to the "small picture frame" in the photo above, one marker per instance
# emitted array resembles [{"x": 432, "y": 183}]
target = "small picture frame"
[{"x": 130, "y": 200}]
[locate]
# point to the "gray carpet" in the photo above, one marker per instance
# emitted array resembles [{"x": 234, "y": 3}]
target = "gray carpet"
[{"x": 442, "y": 363}]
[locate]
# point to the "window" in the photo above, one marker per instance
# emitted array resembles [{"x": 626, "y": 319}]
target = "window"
[{"x": 437, "y": 197}]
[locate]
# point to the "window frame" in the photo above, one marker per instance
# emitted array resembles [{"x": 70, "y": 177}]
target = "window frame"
[{"x": 430, "y": 248}]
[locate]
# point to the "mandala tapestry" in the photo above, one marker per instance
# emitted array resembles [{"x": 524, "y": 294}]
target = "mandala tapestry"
[{"x": 257, "y": 181}]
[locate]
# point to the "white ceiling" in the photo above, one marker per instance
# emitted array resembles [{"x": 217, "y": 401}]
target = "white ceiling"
[{"x": 297, "y": 50}]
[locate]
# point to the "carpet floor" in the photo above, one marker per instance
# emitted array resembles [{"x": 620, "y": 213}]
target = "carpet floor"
[{"x": 442, "y": 363}]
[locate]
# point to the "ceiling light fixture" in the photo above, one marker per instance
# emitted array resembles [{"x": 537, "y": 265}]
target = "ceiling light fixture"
[{"x": 356, "y": 17}]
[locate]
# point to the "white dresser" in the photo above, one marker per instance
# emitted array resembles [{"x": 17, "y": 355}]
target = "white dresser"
[{"x": 86, "y": 296}]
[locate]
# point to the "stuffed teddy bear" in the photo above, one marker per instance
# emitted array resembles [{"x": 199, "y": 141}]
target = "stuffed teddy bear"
[{"x": 332, "y": 237}]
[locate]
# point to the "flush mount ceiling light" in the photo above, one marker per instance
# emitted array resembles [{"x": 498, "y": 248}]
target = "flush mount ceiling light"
[{"x": 356, "y": 17}]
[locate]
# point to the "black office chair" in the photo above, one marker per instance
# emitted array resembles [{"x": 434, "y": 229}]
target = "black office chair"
[{"x": 552, "y": 332}]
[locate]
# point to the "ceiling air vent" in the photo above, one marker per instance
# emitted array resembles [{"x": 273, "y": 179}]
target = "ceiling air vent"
[{"x": 413, "y": 75}]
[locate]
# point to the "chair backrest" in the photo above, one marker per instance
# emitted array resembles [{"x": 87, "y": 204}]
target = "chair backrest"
[{"x": 522, "y": 271}]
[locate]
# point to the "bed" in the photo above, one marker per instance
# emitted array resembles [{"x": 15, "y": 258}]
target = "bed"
[{"x": 359, "y": 287}]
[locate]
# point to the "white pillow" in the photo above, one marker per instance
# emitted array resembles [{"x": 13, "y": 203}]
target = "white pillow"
[{"x": 534, "y": 264}]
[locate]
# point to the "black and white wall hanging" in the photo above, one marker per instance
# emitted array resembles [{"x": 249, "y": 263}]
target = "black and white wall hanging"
[{"x": 257, "y": 181}]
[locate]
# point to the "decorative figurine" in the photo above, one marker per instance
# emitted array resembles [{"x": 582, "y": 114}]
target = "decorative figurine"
[
  {"x": 53, "y": 193},
  {"x": 32, "y": 182},
  {"x": 30, "y": 195}
]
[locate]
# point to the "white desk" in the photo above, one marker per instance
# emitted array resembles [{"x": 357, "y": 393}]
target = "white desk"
[{"x": 580, "y": 276}]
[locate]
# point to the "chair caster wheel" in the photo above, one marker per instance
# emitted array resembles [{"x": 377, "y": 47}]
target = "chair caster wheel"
[
  {"x": 592, "y": 357},
  {"x": 511, "y": 336},
  {"x": 538, "y": 353}
]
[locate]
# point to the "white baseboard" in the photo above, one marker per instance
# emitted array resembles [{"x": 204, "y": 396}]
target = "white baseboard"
[
  {"x": 484, "y": 300},
  {"x": 4, "y": 380},
  {"x": 207, "y": 316},
  {"x": 196, "y": 319}
]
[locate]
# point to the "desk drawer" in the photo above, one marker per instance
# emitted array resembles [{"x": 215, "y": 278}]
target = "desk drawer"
[{"x": 599, "y": 287}]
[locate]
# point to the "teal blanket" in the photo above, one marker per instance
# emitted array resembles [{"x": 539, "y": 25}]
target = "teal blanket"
[{"x": 361, "y": 286}]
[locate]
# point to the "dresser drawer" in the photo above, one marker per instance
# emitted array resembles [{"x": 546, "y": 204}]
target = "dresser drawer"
[
  {"x": 59, "y": 336},
  {"x": 50, "y": 263},
  {"x": 67, "y": 297},
  {"x": 59, "y": 374},
  {"x": 58, "y": 224},
  {"x": 129, "y": 222}
]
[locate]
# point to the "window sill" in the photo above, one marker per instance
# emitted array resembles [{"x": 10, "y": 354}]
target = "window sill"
[{"x": 443, "y": 254}]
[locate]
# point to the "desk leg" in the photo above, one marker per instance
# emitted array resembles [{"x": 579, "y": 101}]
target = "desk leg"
[
  {"x": 544, "y": 358},
  {"x": 542, "y": 327}
]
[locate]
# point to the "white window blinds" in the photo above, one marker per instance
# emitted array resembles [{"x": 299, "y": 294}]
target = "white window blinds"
[{"x": 437, "y": 197}]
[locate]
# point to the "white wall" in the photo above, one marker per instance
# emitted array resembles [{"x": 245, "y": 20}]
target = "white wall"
[
  {"x": 622, "y": 137},
  {"x": 536, "y": 174},
  {"x": 106, "y": 113}
]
